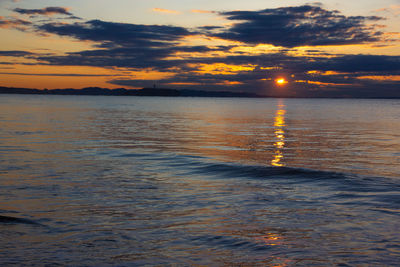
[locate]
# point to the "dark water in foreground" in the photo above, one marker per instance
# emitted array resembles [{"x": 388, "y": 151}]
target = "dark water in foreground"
[{"x": 130, "y": 181}]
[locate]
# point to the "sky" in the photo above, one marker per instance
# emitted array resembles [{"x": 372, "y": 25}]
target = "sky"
[{"x": 332, "y": 48}]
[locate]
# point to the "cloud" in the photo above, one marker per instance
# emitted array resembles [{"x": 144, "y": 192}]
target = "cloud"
[
  {"x": 139, "y": 57},
  {"x": 298, "y": 26},
  {"x": 254, "y": 83},
  {"x": 60, "y": 74},
  {"x": 210, "y": 28},
  {"x": 393, "y": 9},
  {"x": 168, "y": 11},
  {"x": 163, "y": 48},
  {"x": 113, "y": 34},
  {"x": 48, "y": 11},
  {"x": 121, "y": 44},
  {"x": 202, "y": 11},
  {"x": 15, "y": 53},
  {"x": 340, "y": 76},
  {"x": 311, "y": 76},
  {"x": 19, "y": 24},
  {"x": 358, "y": 64}
]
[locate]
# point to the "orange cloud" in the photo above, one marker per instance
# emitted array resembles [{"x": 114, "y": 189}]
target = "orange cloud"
[
  {"x": 162, "y": 10},
  {"x": 323, "y": 84},
  {"x": 222, "y": 68},
  {"x": 52, "y": 77},
  {"x": 229, "y": 83},
  {"x": 394, "y": 9},
  {"x": 392, "y": 78},
  {"x": 13, "y": 23},
  {"x": 201, "y": 11},
  {"x": 324, "y": 73}
]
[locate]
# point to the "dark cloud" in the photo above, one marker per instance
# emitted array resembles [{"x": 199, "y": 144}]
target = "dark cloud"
[
  {"x": 156, "y": 47},
  {"x": 325, "y": 87},
  {"x": 344, "y": 81},
  {"x": 357, "y": 64},
  {"x": 362, "y": 64},
  {"x": 209, "y": 30},
  {"x": 139, "y": 57},
  {"x": 112, "y": 34},
  {"x": 74, "y": 18},
  {"x": 211, "y": 27},
  {"x": 121, "y": 44},
  {"x": 13, "y": 23},
  {"x": 307, "y": 25},
  {"x": 124, "y": 45},
  {"x": 44, "y": 11},
  {"x": 15, "y": 53},
  {"x": 60, "y": 74}
]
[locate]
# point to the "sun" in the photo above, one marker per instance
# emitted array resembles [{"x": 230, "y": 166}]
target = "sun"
[{"x": 281, "y": 81}]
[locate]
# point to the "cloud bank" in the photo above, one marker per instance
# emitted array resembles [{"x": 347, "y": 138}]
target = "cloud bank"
[
  {"x": 299, "y": 26},
  {"x": 48, "y": 11},
  {"x": 163, "y": 48},
  {"x": 13, "y": 23}
]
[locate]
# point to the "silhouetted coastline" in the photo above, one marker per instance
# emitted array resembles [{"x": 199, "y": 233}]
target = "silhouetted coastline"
[
  {"x": 126, "y": 92},
  {"x": 157, "y": 92}
]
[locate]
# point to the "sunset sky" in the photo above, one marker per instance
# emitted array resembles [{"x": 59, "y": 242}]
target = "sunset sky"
[{"x": 328, "y": 48}]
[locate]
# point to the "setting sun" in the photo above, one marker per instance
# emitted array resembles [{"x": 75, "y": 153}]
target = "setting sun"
[{"x": 281, "y": 81}]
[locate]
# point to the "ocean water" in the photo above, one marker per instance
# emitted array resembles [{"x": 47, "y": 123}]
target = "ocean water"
[{"x": 149, "y": 181}]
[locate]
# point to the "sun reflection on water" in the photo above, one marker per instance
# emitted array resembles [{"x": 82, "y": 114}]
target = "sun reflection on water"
[
  {"x": 270, "y": 239},
  {"x": 279, "y": 144}
]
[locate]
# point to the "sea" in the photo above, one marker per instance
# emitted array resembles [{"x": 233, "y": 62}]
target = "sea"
[{"x": 180, "y": 181}]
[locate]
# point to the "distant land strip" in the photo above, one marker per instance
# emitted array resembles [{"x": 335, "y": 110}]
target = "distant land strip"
[
  {"x": 126, "y": 92},
  {"x": 151, "y": 92}
]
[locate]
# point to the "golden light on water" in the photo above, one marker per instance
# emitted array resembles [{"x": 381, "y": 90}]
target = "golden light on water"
[
  {"x": 279, "y": 123},
  {"x": 280, "y": 119},
  {"x": 276, "y": 161},
  {"x": 270, "y": 239},
  {"x": 280, "y": 144}
]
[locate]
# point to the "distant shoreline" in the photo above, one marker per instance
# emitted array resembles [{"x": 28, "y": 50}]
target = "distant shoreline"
[
  {"x": 127, "y": 92},
  {"x": 165, "y": 92}
]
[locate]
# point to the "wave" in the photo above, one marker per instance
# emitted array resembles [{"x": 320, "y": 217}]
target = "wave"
[
  {"x": 373, "y": 192},
  {"x": 16, "y": 220},
  {"x": 204, "y": 166},
  {"x": 342, "y": 181}
]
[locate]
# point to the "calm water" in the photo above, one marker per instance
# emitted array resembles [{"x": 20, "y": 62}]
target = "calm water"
[{"x": 132, "y": 181}]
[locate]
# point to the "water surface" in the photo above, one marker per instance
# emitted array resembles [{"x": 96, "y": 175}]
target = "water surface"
[{"x": 199, "y": 181}]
